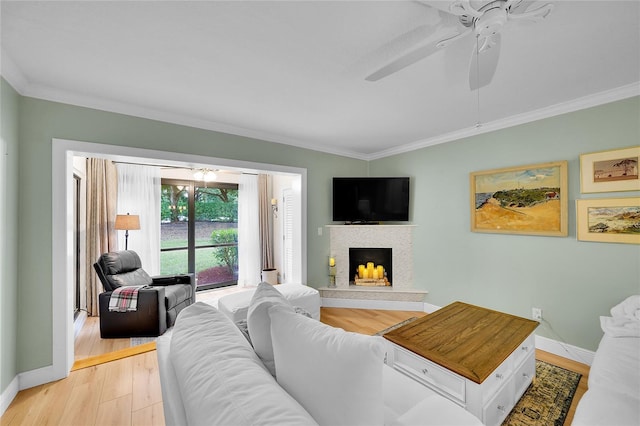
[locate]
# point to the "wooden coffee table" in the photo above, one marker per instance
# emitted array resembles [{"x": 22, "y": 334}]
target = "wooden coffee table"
[{"x": 481, "y": 359}]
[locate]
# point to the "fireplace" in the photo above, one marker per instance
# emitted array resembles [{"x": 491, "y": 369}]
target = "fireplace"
[
  {"x": 377, "y": 256},
  {"x": 397, "y": 238}
]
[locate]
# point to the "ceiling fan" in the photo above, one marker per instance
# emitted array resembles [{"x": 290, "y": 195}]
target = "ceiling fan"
[{"x": 485, "y": 22}]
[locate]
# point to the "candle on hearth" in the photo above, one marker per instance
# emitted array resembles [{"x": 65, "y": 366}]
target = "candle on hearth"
[
  {"x": 369, "y": 269},
  {"x": 380, "y": 270},
  {"x": 375, "y": 274},
  {"x": 332, "y": 261},
  {"x": 361, "y": 271}
]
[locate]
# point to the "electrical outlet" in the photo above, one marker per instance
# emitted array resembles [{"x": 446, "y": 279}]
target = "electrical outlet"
[{"x": 536, "y": 314}]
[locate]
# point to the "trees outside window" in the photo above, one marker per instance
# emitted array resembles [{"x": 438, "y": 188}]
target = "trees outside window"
[{"x": 199, "y": 231}]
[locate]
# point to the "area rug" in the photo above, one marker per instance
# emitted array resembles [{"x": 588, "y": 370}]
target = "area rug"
[
  {"x": 135, "y": 341},
  {"x": 547, "y": 400},
  {"x": 393, "y": 327}
]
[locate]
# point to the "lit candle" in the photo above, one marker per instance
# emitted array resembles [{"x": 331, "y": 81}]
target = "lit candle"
[
  {"x": 332, "y": 261},
  {"x": 380, "y": 270},
  {"x": 369, "y": 269},
  {"x": 374, "y": 275},
  {"x": 361, "y": 271}
]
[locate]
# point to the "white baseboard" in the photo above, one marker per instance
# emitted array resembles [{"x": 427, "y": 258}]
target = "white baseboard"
[
  {"x": 565, "y": 350},
  {"x": 8, "y": 394},
  {"x": 26, "y": 380},
  {"x": 390, "y": 305},
  {"x": 37, "y": 377},
  {"x": 78, "y": 323}
]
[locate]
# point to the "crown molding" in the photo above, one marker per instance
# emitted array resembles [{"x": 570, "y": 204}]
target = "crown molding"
[
  {"x": 585, "y": 102},
  {"x": 47, "y": 93},
  {"x": 22, "y": 85},
  {"x": 10, "y": 71}
]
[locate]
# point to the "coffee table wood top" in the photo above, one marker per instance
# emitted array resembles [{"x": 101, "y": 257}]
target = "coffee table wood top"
[{"x": 469, "y": 340}]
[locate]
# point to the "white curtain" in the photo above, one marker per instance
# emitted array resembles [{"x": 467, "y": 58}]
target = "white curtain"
[
  {"x": 139, "y": 193},
  {"x": 249, "y": 258}
]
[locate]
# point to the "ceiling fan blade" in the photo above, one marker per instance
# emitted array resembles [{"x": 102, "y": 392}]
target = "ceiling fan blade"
[
  {"x": 484, "y": 63},
  {"x": 404, "y": 61},
  {"x": 447, "y": 41},
  {"x": 534, "y": 15}
]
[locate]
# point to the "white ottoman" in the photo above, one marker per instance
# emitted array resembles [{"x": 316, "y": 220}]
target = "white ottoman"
[{"x": 236, "y": 305}]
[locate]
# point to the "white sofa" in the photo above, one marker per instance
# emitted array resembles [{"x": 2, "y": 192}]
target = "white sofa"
[
  {"x": 613, "y": 397},
  {"x": 211, "y": 374}
]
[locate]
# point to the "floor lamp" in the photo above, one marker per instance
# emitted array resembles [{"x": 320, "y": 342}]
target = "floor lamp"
[{"x": 126, "y": 222}]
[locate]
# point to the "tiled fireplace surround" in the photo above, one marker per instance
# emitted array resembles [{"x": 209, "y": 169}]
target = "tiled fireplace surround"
[{"x": 397, "y": 237}]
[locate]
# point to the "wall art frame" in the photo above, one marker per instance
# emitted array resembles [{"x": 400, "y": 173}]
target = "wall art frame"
[
  {"x": 525, "y": 200},
  {"x": 608, "y": 220},
  {"x": 610, "y": 171}
]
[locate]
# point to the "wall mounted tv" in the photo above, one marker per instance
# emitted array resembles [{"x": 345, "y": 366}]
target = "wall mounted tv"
[{"x": 370, "y": 199}]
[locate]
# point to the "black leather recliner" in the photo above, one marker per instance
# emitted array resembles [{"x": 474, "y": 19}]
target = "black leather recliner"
[{"x": 158, "y": 305}]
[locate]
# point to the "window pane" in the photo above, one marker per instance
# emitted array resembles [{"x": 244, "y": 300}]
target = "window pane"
[
  {"x": 216, "y": 223},
  {"x": 174, "y": 229}
]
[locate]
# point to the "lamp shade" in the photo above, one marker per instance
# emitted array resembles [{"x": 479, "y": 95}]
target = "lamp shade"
[{"x": 127, "y": 221}]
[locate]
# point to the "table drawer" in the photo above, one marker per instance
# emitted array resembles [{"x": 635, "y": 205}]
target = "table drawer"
[
  {"x": 496, "y": 380},
  {"x": 499, "y": 407},
  {"x": 524, "y": 350},
  {"x": 524, "y": 375},
  {"x": 429, "y": 373}
]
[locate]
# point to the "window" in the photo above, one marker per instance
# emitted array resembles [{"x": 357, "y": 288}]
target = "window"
[{"x": 199, "y": 231}]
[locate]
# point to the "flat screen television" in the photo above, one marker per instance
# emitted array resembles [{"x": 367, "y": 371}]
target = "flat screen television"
[{"x": 370, "y": 199}]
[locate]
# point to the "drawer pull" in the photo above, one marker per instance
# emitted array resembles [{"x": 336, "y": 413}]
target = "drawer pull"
[
  {"x": 525, "y": 375},
  {"x": 425, "y": 371},
  {"x": 502, "y": 408},
  {"x": 525, "y": 348},
  {"x": 499, "y": 376}
]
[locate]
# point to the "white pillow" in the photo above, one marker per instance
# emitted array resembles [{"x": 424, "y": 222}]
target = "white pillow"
[
  {"x": 335, "y": 375},
  {"x": 259, "y": 324},
  {"x": 629, "y": 308}
]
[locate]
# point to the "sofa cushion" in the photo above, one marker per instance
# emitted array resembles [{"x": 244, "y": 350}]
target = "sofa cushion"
[
  {"x": 335, "y": 375},
  {"x": 616, "y": 366},
  {"x": 259, "y": 323},
  {"x": 221, "y": 379}
]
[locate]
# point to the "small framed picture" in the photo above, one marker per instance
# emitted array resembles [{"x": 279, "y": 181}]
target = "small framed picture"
[
  {"x": 528, "y": 200},
  {"x": 610, "y": 171},
  {"x": 609, "y": 220}
]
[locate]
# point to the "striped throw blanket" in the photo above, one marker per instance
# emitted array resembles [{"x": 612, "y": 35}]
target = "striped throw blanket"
[{"x": 124, "y": 299}]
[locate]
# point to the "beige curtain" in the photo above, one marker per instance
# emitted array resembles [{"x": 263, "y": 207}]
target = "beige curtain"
[
  {"x": 266, "y": 220},
  {"x": 102, "y": 190}
]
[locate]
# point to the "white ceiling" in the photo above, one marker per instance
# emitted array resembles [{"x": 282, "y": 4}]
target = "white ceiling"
[{"x": 293, "y": 71}]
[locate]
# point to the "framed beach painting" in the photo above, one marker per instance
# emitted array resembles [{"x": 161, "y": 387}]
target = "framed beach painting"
[
  {"x": 610, "y": 171},
  {"x": 609, "y": 220},
  {"x": 529, "y": 200}
]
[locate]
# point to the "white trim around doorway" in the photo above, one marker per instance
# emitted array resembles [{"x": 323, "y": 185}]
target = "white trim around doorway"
[{"x": 63, "y": 151}]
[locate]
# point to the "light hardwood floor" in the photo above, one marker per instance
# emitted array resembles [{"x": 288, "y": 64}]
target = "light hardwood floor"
[{"x": 127, "y": 391}]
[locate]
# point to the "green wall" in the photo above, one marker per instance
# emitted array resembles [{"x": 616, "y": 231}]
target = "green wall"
[
  {"x": 573, "y": 282},
  {"x": 8, "y": 233},
  {"x": 41, "y": 121}
]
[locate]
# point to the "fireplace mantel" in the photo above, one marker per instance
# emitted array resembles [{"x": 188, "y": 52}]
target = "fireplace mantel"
[{"x": 397, "y": 237}]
